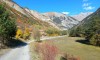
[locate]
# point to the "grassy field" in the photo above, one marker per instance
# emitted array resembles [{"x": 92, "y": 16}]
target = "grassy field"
[{"x": 73, "y": 46}]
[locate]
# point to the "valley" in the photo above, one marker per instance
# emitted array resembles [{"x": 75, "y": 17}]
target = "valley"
[
  {"x": 71, "y": 45},
  {"x": 29, "y": 32}
]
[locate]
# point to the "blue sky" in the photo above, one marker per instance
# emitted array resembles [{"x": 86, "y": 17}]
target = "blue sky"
[{"x": 71, "y": 7}]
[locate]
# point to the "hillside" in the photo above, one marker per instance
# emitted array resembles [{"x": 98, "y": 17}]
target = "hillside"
[
  {"x": 89, "y": 28},
  {"x": 41, "y": 17},
  {"x": 22, "y": 16},
  {"x": 17, "y": 23}
]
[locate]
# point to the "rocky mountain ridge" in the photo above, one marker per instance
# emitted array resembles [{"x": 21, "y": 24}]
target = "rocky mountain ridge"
[
  {"x": 61, "y": 20},
  {"x": 57, "y": 20}
]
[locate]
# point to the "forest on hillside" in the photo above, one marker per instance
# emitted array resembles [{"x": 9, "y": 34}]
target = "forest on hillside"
[{"x": 89, "y": 28}]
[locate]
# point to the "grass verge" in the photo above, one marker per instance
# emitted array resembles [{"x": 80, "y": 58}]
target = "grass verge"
[{"x": 71, "y": 46}]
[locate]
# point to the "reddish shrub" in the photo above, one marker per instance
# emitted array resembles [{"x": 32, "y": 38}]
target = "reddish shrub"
[{"x": 48, "y": 51}]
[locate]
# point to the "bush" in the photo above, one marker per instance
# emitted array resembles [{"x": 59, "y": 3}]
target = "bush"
[
  {"x": 19, "y": 33},
  {"x": 95, "y": 40},
  {"x": 53, "y": 32},
  {"x": 26, "y": 33},
  {"x": 77, "y": 32},
  {"x": 72, "y": 33},
  {"x": 36, "y": 34},
  {"x": 64, "y": 32},
  {"x": 7, "y": 25},
  {"x": 47, "y": 51}
]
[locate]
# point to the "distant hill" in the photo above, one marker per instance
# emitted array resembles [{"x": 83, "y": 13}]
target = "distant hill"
[{"x": 82, "y": 15}]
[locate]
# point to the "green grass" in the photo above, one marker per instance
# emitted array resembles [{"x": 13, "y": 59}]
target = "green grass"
[{"x": 69, "y": 45}]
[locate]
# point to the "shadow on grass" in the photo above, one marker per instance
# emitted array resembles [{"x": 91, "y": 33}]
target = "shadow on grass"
[
  {"x": 16, "y": 43},
  {"x": 83, "y": 41}
]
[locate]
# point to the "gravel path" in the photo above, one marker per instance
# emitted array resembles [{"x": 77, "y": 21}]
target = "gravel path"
[{"x": 19, "y": 53}]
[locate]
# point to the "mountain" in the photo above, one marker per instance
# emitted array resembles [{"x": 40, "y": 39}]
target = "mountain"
[
  {"x": 61, "y": 20},
  {"x": 89, "y": 28},
  {"x": 58, "y": 20},
  {"x": 41, "y": 17},
  {"x": 24, "y": 17},
  {"x": 49, "y": 19},
  {"x": 82, "y": 15}
]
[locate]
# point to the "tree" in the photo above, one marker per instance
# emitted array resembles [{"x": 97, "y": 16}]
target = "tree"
[
  {"x": 95, "y": 40},
  {"x": 19, "y": 33},
  {"x": 7, "y": 25}
]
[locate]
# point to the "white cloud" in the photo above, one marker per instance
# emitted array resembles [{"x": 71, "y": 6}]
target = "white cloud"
[
  {"x": 66, "y": 13},
  {"x": 85, "y": 0},
  {"x": 86, "y": 4},
  {"x": 88, "y": 7}
]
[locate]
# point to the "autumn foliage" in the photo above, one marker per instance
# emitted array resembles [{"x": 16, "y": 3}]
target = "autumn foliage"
[
  {"x": 19, "y": 33},
  {"x": 47, "y": 51},
  {"x": 26, "y": 33},
  {"x": 22, "y": 34}
]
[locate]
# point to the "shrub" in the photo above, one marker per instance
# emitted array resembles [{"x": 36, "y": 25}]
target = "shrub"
[
  {"x": 19, "y": 33},
  {"x": 47, "y": 51},
  {"x": 26, "y": 33},
  {"x": 52, "y": 32},
  {"x": 36, "y": 34},
  {"x": 72, "y": 33},
  {"x": 64, "y": 32},
  {"x": 95, "y": 40},
  {"x": 7, "y": 25}
]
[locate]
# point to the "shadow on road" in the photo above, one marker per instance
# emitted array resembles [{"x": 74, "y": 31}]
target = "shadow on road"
[
  {"x": 16, "y": 43},
  {"x": 83, "y": 41}
]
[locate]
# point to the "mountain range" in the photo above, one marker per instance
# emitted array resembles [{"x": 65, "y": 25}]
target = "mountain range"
[{"x": 54, "y": 19}]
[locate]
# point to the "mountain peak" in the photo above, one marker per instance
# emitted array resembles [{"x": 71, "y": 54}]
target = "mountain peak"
[
  {"x": 82, "y": 15},
  {"x": 61, "y": 20}
]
